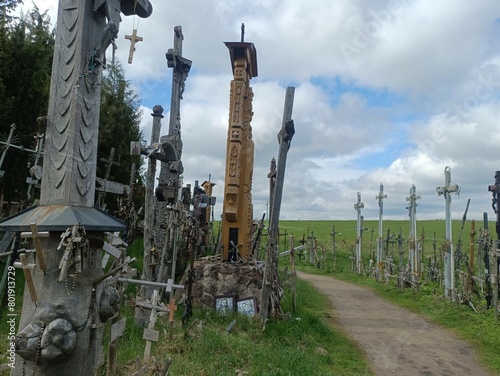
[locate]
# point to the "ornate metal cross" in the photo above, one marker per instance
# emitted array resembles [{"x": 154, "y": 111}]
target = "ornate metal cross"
[
  {"x": 380, "y": 197},
  {"x": 449, "y": 262},
  {"x": 412, "y": 208},
  {"x": 358, "y": 206}
]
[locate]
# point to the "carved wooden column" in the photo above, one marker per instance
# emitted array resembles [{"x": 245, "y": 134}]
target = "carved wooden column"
[
  {"x": 237, "y": 207},
  {"x": 61, "y": 331}
]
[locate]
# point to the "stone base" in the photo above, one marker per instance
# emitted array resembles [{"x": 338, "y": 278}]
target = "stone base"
[{"x": 213, "y": 277}]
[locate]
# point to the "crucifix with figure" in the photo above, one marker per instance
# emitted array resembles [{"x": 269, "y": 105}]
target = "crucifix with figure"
[{"x": 134, "y": 38}]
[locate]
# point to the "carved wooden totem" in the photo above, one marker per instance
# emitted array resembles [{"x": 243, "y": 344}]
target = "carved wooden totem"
[{"x": 237, "y": 211}]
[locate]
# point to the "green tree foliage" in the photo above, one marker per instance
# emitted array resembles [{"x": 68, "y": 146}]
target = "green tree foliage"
[
  {"x": 119, "y": 125},
  {"x": 7, "y": 6},
  {"x": 26, "y": 50},
  {"x": 26, "y": 53}
]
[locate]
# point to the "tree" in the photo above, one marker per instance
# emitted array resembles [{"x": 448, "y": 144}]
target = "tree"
[
  {"x": 120, "y": 119},
  {"x": 7, "y": 6},
  {"x": 26, "y": 50},
  {"x": 26, "y": 53}
]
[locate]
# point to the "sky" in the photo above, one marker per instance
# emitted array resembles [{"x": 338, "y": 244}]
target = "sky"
[{"x": 386, "y": 92}]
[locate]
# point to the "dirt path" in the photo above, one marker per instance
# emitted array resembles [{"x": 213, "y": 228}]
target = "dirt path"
[{"x": 395, "y": 340}]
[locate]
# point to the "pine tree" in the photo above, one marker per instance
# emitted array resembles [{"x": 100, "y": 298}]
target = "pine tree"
[
  {"x": 7, "y": 6},
  {"x": 26, "y": 50},
  {"x": 26, "y": 53}
]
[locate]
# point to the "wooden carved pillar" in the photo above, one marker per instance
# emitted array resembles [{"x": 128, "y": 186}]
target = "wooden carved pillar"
[{"x": 237, "y": 206}]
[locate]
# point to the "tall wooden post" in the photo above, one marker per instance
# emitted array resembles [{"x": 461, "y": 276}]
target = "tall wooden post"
[
  {"x": 495, "y": 190},
  {"x": 272, "y": 186},
  {"x": 62, "y": 333},
  {"x": 149, "y": 207},
  {"x": 168, "y": 213},
  {"x": 109, "y": 163},
  {"x": 237, "y": 207},
  {"x": 208, "y": 186},
  {"x": 171, "y": 166},
  {"x": 285, "y": 136}
]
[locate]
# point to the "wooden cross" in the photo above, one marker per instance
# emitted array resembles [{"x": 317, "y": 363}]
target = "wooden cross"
[
  {"x": 117, "y": 329},
  {"x": 109, "y": 162},
  {"x": 27, "y": 275},
  {"x": 35, "y": 235},
  {"x": 141, "y": 369},
  {"x": 150, "y": 334},
  {"x": 172, "y": 308},
  {"x": 133, "y": 40}
]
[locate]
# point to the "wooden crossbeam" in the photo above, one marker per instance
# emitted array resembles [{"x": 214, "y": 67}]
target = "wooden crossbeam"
[
  {"x": 35, "y": 235},
  {"x": 150, "y": 306}
]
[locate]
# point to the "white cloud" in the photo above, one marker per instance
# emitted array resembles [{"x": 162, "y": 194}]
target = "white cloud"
[{"x": 386, "y": 92}]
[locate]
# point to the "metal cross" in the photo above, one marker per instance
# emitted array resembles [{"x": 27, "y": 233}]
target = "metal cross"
[
  {"x": 7, "y": 145},
  {"x": 412, "y": 208},
  {"x": 449, "y": 264},
  {"x": 133, "y": 40},
  {"x": 380, "y": 197},
  {"x": 358, "y": 206}
]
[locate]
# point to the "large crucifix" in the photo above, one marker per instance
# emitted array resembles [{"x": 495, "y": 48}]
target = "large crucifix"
[
  {"x": 171, "y": 167},
  {"x": 71, "y": 307},
  {"x": 134, "y": 38}
]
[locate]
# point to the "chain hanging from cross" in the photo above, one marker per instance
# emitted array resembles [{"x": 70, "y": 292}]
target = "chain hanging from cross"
[{"x": 134, "y": 38}]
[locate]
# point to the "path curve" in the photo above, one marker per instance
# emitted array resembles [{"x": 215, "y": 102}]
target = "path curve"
[{"x": 396, "y": 341}]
